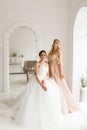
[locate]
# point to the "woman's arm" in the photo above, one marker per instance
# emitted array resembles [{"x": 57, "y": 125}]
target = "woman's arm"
[
  {"x": 61, "y": 75},
  {"x": 44, "y": 81},
  {"x": 36, "y": 73}
]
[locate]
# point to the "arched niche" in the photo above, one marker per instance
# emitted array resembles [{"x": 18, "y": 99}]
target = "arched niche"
[
  {"x": 74, "y": 11},
  {"x": 13, "y": 34},
  {"x": 79, "y": 48}
]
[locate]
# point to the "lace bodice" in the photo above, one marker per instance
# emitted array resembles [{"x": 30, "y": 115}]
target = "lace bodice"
[{"x": 43, "y": 71}]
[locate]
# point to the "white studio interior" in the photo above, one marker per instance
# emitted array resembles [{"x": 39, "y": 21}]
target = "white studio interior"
[{"x": 28, "y": 26}]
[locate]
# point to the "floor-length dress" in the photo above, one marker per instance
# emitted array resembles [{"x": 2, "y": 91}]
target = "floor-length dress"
[
  {"x": 39, "y": 108},
  {"x": 72, "y": 104}
]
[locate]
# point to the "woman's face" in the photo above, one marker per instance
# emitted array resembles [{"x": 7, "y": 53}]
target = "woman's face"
[
  {"x": 55, "y": 44},
  {"x": 43, "y": 56}
]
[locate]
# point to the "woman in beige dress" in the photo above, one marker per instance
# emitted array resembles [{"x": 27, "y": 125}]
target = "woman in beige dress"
[{"x": 55, "y": 69}]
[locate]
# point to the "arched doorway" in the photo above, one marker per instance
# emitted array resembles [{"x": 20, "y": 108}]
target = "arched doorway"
[{"x": 80, "y": 47}]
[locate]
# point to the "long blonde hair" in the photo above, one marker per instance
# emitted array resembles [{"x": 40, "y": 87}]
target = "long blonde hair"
[{"x": 57, "y": 51}]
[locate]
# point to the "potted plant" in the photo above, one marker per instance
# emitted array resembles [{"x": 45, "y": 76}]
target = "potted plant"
[
  {"x": 14, "y": 54},
  {"x": 83, "y": 89}
]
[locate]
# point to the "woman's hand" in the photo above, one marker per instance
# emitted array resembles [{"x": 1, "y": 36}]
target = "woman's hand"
[
  {"x": 43, "y": 82},
  {"x": 61, "y": 76},
  {"x": 43, "y": 85},
  {"x": 45, "y": 89}
]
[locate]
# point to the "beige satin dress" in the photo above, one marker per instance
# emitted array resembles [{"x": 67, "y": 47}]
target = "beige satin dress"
[{"x": 72, "y": 104}]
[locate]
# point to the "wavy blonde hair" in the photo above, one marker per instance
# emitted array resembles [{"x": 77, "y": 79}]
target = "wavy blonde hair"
[{"x": 57, "y": 51}]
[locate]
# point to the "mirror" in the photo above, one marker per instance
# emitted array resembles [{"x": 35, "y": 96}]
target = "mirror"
[{"x": 20, "y": 44}]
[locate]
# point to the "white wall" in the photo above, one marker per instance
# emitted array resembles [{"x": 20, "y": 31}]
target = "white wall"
[
  {"x": 75, "y": 6},
  {"x": 80, "y": 46},
  {"x": 48, "y": 18}
]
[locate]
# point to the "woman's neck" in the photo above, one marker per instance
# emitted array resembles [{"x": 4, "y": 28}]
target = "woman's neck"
[
  {"x": 54, "y": 50},
  {"x": 43, "y": 61}
]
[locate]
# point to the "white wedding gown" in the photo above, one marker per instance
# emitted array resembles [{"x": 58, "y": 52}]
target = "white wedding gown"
[
  {"x": 36, "y": 108},
  {"x": 39, "y": 108}
]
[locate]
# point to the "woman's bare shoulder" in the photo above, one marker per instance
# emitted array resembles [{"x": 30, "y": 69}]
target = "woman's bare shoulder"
[{"x": 37, "y": 64}]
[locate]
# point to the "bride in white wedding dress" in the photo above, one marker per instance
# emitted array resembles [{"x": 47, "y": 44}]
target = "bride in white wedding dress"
[{"x": 41, "y": 106}]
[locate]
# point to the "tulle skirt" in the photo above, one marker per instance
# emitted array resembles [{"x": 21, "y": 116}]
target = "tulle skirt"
[{"x": 39, "y": 108}]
